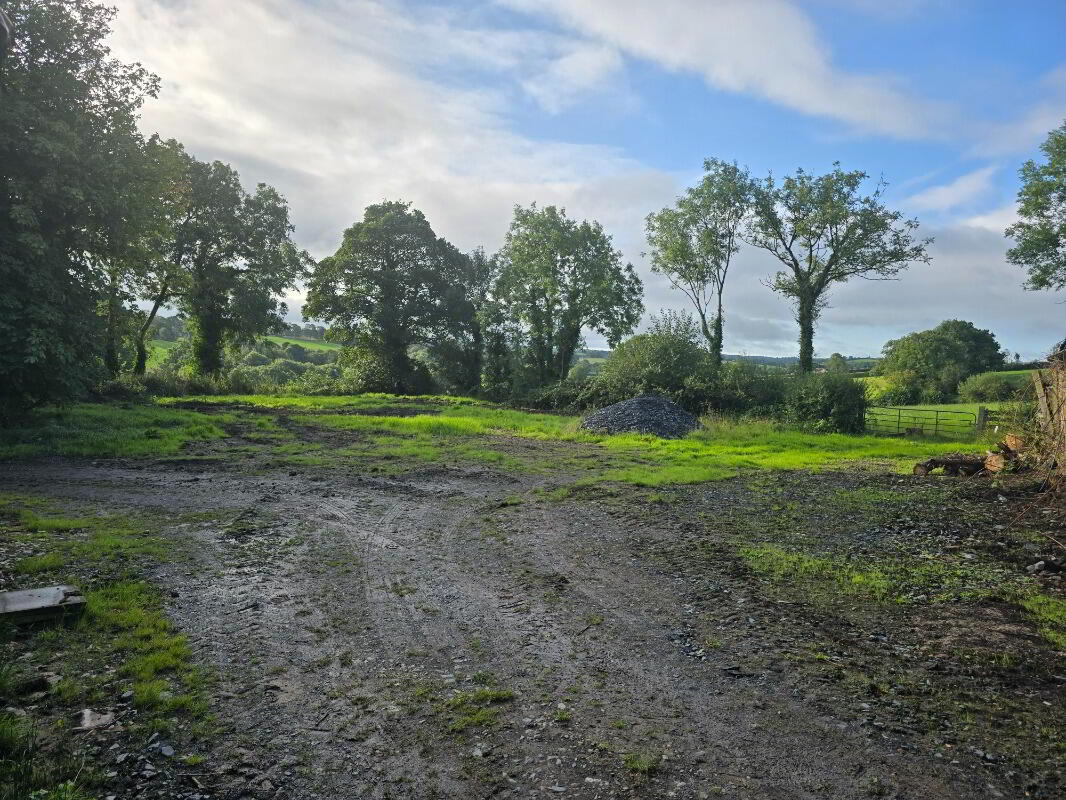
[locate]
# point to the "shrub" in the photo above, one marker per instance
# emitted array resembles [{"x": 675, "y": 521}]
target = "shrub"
[
  {"x": 901, "y": 389},
  {"x": 744, "y": 387},
  {"x": 669, "y": 361},
  {"x": 828, "y": 402},
  {"x": 124, "y": 387},
  {"x": 987, "y": 386},
  {"x": 254, "y": 359}
]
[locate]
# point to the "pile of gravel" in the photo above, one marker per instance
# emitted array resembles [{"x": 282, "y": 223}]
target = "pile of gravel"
[{"x": 646, "y": 414}]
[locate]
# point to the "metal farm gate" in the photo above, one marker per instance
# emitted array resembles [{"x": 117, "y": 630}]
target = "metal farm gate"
[{"x": 923, "y": 421}]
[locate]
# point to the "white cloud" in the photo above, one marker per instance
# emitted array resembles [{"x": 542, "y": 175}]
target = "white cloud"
[
  {"x": 964, "y": 189},
  {"x": 1030, "y": 128},
  {"x": 767, "y": 48},
  {"x": 997, "y": 220},
  {"x": 565, "y": 80},
  {"x": 338, "y": 110}
]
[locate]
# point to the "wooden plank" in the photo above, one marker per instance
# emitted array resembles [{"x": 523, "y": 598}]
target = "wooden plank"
[{"x": 40, "y": 605}]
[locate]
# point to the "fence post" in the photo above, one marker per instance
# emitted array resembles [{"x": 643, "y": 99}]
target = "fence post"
[{"x": 982, "y": 419}]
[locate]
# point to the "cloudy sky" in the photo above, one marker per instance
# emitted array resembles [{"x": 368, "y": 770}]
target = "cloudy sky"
[{"x": 608, "y": 107}]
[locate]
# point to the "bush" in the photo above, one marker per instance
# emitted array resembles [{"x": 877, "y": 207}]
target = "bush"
[
  {"x": 254, "y": 359},
  {"x": 901, "y": 389},
  {"x": 668, "y": 361},
  {"x": 124, "y": 387},
  {"x": 987, "y": 386},
  {"x": 744, "y": 387},
  {"x": 828, "y": 402}
]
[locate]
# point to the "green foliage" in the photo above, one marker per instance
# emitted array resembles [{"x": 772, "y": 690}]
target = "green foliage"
[
  {"x": 826, "y": 402},
  {"x": 558, "y": 277},
  {"x": 71, "y": 153},
  {"x": 391, "y": 284},
  {"x": 239, "y": 257},
  {"x": 824, "y": 232},
  {"x": 1040, "y": 233},
  {"x": 693, "y": 242},
  {"x": 930, "y": 364},
  {"x": 836, "y": 363},
  {"x": 988, "y": 386},
  {"x": 669, "y": 360}
]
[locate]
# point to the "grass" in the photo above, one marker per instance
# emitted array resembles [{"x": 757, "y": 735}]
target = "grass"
[
  {"x": 474, "y": 709},
  {"x": 309, "y": 344},
  {"x": 890, "y": 580},
  {"x": 157, "y": 352},
  {"x": 1049, "y": 615},
  {"x": 98, "y": 430}
]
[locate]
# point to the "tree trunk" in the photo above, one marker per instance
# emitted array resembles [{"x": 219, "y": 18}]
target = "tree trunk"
[
  {"x": 716, "y": 337},
  {"x": 805, "y": 317},
  {"x": 207, "y": 340},
  {"x": 111, "y": 344},
  {"x": 142, "y": 351}
]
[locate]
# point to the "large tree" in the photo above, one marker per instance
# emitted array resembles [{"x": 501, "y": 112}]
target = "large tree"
[
  {"x": 558, "y": 277},
  {"x": 1040, "y": 233},
  {"x": 68, "y": 122},
  {"x": 231, "y": 257},
  {"x": 693, "y": 242},
  {"x": 386, "y": 288},
  {"x": 953, "y": 343},
  {"x": 824, "y": 231}
]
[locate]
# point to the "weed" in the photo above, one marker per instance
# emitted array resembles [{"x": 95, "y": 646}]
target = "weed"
[
  {"x": 474, "y": 709},
  {"x": 641, "y": 763},
  {"x": 1049, "y": 614}
]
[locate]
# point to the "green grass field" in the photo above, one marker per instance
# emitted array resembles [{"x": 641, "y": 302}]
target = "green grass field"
[
  {"x": 157, "y": 351},
  {"x": 307, "y": 343}
]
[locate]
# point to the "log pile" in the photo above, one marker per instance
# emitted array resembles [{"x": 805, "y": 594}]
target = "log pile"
[{"x": 1007, "y": 455}]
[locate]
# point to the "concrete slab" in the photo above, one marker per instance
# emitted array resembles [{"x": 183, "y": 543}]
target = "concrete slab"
[{"x": 40, "y": 605}]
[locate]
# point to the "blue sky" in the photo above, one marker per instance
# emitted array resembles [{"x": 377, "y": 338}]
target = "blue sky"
[{"x": 609, "y": 107}]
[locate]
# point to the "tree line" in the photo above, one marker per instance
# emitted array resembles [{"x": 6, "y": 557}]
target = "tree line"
[{"x": 102, "y": 228}]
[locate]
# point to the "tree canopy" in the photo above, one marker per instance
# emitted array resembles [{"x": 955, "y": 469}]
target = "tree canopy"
[
  {"x": 68, "y": 141},
  {"x": 1040, "y": 233},
  {"x": 388, "y": 284},
  {"x": 693, "y": 242},
  {"x": 943, "y": 356},
  {"x": 824, "y": 231},
  {"x": 559, "y": 276}
]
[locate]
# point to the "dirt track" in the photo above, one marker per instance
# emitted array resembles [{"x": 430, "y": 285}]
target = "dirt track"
[{"x": 343, "y": 615}]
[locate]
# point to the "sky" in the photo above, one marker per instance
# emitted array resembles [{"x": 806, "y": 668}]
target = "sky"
[{"x": 608, "y": 108}]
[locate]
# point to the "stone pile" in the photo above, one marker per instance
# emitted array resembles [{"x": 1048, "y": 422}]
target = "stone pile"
[{"x": 646, "y": 414}]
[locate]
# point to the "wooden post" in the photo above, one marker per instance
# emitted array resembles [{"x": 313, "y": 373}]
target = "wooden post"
[
  {"x": 982, "y": 420},
  {"x": 1041, "y": 397}
]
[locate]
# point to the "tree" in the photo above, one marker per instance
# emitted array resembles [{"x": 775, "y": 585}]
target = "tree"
[
  {"x": 69, "y": 118},
  {"x": 693, "y": 242},
  {"x": 235, "y": 257},
  {"x": 557, "y": 277},
  {"x": 943, "y": 356},
  {"x": 825, "y": 232},
  {"x": 384, "y": 289},
  {"x": 457, "y": 349},
  {"x": 836, "y": 363},
  {"x": 1040, "y": 233}
]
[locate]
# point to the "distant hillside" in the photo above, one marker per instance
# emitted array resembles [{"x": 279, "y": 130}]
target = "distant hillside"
[{"x": 854, "y": 362}]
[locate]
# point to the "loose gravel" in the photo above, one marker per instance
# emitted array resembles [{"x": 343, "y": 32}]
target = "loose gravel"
[{"x": 646, "y": 414}]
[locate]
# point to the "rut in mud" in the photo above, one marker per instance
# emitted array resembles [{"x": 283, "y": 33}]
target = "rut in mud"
[{"x": 449, "y": 635}]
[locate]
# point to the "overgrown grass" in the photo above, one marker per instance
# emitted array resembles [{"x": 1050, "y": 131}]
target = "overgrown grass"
[{"x": 108, "y": 430}]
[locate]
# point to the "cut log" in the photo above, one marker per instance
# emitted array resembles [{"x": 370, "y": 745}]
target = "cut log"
[
  {"x": 996, "y": 462},
  {"x": 1014, "y": 442},
  {"x": 953, "y": 464}
]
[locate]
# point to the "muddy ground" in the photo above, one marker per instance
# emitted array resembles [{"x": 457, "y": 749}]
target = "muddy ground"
[{"x": 463, "y": 632}]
